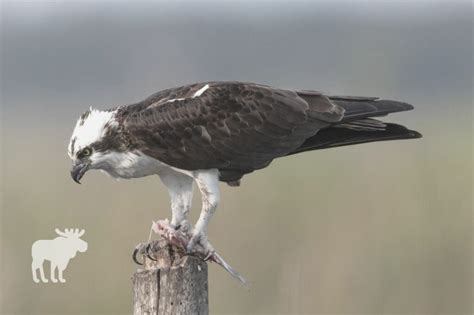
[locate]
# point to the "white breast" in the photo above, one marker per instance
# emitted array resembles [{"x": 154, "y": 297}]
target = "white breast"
[{"x": 130, "y": 165}]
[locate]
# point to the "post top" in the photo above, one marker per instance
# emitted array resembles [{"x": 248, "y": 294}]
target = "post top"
[{"x": 161, "y": 255}]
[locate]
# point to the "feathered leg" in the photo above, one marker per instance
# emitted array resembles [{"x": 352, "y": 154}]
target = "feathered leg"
[
  {"x": 180, "y": 188},
  {"x": 208, "y": 184},
  {"x": 178, "y": 232}
]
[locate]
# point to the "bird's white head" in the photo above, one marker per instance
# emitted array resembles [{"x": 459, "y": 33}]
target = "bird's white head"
[{"x": 92, "y": 140}]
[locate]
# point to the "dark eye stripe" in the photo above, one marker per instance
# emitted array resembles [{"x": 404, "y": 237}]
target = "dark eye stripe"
[{"x": 73, "y": 143}]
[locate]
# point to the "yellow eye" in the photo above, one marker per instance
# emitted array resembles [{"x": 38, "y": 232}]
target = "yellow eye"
[{"x": 85, "y": 152}]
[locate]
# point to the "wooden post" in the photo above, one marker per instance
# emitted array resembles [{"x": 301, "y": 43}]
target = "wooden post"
[{"x": 173, "y": 284}]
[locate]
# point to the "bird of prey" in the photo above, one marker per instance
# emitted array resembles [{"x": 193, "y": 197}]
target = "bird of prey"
[{"x": 208, "y": 132}]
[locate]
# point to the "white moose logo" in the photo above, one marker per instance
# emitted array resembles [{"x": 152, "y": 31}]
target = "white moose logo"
[{"x": 58, "y": 251}]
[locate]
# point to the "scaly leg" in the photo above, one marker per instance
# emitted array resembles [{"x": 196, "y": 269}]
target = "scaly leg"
[
  {"x": 180, "y": 188},
  {"x": 208, "y": 184}
]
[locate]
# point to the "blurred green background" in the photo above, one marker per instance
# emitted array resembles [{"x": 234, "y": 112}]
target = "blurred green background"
[{"x": 383, "y": 228}]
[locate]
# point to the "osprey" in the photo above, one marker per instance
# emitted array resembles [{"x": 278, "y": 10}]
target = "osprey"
[{"x": 220, "y": 131}]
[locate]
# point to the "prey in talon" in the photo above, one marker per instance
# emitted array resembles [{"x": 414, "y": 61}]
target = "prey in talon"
[
  {"x": 206, "y": 133},
  {"x": 181, "y": 238}
]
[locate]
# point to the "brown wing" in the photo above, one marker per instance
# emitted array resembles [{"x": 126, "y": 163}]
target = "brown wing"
[{"x": 232, "y": 126}]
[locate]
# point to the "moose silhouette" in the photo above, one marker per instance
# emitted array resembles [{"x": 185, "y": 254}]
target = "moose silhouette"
[{"x": 58, "y": 251}]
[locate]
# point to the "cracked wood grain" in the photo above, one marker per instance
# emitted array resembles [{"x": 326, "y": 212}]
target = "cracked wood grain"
[{"x": 173, "y": 284}]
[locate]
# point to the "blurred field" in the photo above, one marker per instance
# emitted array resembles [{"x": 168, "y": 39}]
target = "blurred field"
[{"x": 382, "y": 228}]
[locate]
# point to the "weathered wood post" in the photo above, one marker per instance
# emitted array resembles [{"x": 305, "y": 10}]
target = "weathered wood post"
[{"x": 173, "y": 284}]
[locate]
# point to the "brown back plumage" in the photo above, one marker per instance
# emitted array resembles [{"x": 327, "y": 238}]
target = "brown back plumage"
[{"x": 232, "y": 126}]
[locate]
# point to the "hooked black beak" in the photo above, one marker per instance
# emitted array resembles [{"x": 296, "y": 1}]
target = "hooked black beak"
[{"x": 78, "y": 170}]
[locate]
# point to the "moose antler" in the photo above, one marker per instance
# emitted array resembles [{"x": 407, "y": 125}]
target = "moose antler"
[
  {"x": 70, "y": 232},
  {"x": 61, "y": 233}
]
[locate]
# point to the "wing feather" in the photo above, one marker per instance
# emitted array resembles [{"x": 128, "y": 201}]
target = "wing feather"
[{"x": 232, "y": 126}]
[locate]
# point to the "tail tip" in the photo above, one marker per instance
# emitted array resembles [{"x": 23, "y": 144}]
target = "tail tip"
[{"x": 415, "y": 134}]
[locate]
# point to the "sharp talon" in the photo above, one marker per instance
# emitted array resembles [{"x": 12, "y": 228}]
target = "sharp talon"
[
  {"x": 188, "y": 249},
  {"x": 134, "y": 256},
  {"x": 209, "y": 255},
  {"x": 148, "y": 254}
]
